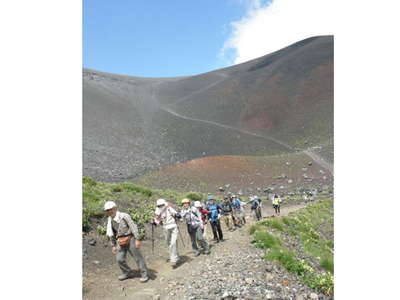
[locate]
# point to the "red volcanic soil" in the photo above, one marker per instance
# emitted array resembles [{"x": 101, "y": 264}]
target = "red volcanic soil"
[{"x": 247, "y": 173}]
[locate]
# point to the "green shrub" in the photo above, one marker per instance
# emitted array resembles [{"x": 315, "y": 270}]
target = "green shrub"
[
  {"x": 266, "y": 240},
  {"x": 117, "y": 189},
  {"x": 102, "y": 230},
  {"x": 253, "y": 229},
  {"x": 274, "y": 223},
  {"x": 327, "y": 264},
  {"x": 88, "y": 181},
  {"x": 194, "y": 196},
  {"x": 287, "y": 259}
]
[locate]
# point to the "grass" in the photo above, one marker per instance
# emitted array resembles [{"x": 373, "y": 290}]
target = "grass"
[
  {"x": 313, "y": 228},
  {"x": 137, "y": 200}
]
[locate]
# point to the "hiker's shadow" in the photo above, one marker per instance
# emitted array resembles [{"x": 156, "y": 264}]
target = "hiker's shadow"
[
  {"x": 150, "y": 272},
  {"x": 182, "y": 260}
]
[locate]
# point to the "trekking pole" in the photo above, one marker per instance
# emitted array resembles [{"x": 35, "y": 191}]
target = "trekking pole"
[
  {"x": 152, "y": 238},
  {"x": 180, "y": 234}
]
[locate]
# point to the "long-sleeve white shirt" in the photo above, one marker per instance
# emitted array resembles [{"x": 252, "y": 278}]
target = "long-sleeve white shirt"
[{"x": 166, "y": 214}]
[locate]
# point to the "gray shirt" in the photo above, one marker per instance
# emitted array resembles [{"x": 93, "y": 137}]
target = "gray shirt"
[{"x": 125, "y": 227}]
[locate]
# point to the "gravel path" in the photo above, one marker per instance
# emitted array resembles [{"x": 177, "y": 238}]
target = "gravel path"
[{"x": 234, "y": 270}]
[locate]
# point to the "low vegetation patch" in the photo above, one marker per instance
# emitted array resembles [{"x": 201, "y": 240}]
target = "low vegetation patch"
[
  {"x": 312, "y": 228},
  {"x": 136, "y": 200}
]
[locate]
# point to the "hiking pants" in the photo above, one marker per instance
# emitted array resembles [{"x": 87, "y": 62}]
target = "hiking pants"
[
  {"x": 238, "y": 216},
  {"x": 256, "y": 214},
  {"x": 196, "y": 234},
  {"x": 227, "y": 220},
  {"x": 277, "y": 209},
  {"x": 217, "y": 231},
  {"x": 137, "y": 256},
  {"x": 259, "y": 212},
  {"x": 171, "y": 236}
]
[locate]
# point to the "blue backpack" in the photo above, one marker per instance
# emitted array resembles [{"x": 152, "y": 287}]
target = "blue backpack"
[{"x": 213, "y": 208}]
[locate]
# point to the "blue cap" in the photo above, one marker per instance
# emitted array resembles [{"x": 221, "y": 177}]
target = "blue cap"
[{"x": 210, "y": 197}]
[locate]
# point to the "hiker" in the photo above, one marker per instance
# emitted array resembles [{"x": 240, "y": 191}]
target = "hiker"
[
  {"x": 194, "y": 226},
  {"x": 227, "y": 212},
  {"x": 230, "y": 201},
  {"x": 237, "y": 212},
  {"x": 259, "y": 208},
  {"x": 254, "y": 206},
  {"x": 276, "y": 203},
  {"x": 242, "y": 212},
  {"x": 124, "y": 237},
  {"x": 204, "y": 216},
  {"x": 214, "y": 215},
  {"x": 166, "y": 216}
]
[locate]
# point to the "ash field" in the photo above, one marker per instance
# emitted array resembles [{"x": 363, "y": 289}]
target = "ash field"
[{"x": 277, "y": 109}]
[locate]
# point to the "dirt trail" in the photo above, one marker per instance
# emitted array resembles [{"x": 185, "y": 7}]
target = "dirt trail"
[
  {"x": 102, "y": 283},
  {"x": 314, "y": 156}
]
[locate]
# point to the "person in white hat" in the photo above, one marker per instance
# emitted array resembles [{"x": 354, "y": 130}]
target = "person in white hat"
[
  {"x": 165, "y": 215},
  {"x": 195, "y": 226},
  {"x": 124, "y": 237}
]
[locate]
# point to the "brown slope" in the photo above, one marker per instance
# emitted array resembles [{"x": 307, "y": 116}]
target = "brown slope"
[{"x": 287, "y": 94}]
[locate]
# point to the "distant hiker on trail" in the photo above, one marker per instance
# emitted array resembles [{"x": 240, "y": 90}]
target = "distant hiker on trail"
[
  {"x": 204, "y": 216},
  {"x": 227, "y": 212},
  {"x": 276, "y": 203},
  {"x": 255, "y": 206},
  {"x": 214, "y": 215},
  {"x": 166, "y": 216},
  {"x": 195, "y": 226},
  {"x": 237, "y": 211},
  {"x": 124, "y": 237},
  {"x": 259, "y": 200},
  {"x": 242, "y": 212}
]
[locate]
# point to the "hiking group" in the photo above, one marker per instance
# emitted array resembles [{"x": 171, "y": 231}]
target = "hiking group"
[{"x": 124, "y": 236}]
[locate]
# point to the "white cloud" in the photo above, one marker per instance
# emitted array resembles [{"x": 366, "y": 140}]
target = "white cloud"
[{"x": 272, "y": 25}]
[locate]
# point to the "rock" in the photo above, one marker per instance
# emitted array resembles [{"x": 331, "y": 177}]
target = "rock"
[
  {"x": 156, "y": 297},
  {"x": 226, "y": 295},
  {"x": 310, "y": 163},
  {"x": 290, "y": 181},
  {"x": 313, "y": 296},
  {"x": 300, "y": 297},
  {"x": 269, "y": 268},
  {"x": 304, "y": 169},
  {"x": 322, "y": 171},
  {"x": 269, "y": 295},
  {"x": 288, "y": 163},
  {"x": 249, "y": 280},
  {"x": 96, "y": 262},
  {"x": 269, "y": 277},
  {"x": 92, "y": 242}
]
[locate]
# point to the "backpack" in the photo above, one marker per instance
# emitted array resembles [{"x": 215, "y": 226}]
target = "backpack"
[
  {"x": 254, "y": 204},
  {"x": 213, "y": 211}
]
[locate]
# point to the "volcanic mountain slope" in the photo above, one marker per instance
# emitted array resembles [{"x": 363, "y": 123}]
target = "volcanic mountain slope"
[{"x": 267, "y": 106}]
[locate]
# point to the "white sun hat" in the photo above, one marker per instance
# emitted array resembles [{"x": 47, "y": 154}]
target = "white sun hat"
[
  {"x": 161, "y": 202},
  {"x": 197, "y": 204},
  {"x": 109, "y": 204}
]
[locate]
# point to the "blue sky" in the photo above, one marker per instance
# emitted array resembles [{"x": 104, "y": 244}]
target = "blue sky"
[
  {"x": 157, "y": 38},
  {"x": 187, "y": 37}
]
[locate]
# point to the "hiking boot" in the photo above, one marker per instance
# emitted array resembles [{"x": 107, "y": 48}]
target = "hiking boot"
[
  {"x": 174, "y": 265},
  {"x": 197, "y": 253},
  {"x": 144, "y": 279},
  {"x": 125, "y": 276},
  {"x": 207, "y": 252}
]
